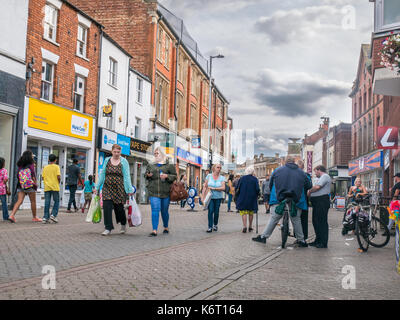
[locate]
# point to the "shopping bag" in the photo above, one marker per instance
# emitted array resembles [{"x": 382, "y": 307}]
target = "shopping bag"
[
  {"x": 207, "y": 199},
  {"x": 92, "y": 209},
  {"x": 82, "y": 200},
  {"x": 134, "y": 214},
  {"x": 97, "y": 211}
]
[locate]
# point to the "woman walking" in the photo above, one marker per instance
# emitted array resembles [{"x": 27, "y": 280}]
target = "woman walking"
[
  {"x": 231, "y": 191},
  {"x": 159, "y": 175},
  {"x": 27, "y": 185},
  {"x": 3, "y": 188},
  {"x": 183, "y": 179},
  {"x": 247, "y": 202},
  {"x": 88, "y": 192},
  {"x": 115, "y": 182},
  {"x": 215, "y": 182}
]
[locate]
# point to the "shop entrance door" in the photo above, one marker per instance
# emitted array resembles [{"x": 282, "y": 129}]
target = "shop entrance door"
[
  {"x": 138, "y": 169},
  {"x": 59, "y": 152}
]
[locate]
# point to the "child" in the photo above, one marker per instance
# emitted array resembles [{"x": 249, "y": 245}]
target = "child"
[{"x": 89, "y": 186}]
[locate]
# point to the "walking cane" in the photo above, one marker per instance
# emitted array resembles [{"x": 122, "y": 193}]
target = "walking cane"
[{"x": 257, "y": 222}]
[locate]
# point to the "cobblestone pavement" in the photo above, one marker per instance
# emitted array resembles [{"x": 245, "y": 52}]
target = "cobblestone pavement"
[{"x": 188, "y": 263}]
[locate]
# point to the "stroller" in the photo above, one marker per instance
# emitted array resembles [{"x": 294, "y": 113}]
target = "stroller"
[{"x": 352, "y": 213}]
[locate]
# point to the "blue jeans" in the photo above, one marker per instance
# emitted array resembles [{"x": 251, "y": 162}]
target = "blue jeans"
[
  {"x": 47, "y": 201},
  {"x": 72, "y": 200},
  {"x": 229, "y": 201},
  {"x": 3, "y": 199},
  {"x": 157, "y": 205},
  {"x": 213, "y": 212}
]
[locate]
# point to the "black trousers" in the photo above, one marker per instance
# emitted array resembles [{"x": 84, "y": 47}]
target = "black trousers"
[
  {"x": 321, "y": 207},
  {"x": 304, "y": 223},
  {"x": 108, "y": 206},
  {"x": 72, "y": 201}
]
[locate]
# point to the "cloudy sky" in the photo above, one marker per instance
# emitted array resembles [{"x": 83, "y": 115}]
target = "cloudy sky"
[{"x": 287, "y": 62}]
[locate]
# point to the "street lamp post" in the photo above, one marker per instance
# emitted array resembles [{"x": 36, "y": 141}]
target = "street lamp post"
[{"x": 209, "y": 111}]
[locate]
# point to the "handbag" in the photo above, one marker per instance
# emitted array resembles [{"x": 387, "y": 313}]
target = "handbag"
[
  {"x": 178, "y": 192},
  {"x": 8, "y": 192}
]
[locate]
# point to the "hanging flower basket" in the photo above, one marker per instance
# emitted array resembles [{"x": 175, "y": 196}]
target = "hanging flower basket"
[{"x": 390, "y": 53}]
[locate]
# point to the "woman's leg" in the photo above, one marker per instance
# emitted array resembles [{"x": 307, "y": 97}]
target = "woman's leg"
[
  {"x": 155, "y": 212},
  {"x": 229, "y": 202},
  {"x": 164, "y": 212},
  {"x": 244, "y": 220},
  {"x": 4, "y": 206},
  {"x": 108, "y": 207},
  {"x": 216, "y": 211},
  {"x": 120, "y": 215},
  {"x": 251, "y": 216},
  {"x": 32, "y": 198},
  {"x": 21, "y": 197},
  {"x": 211, "y": 208}
]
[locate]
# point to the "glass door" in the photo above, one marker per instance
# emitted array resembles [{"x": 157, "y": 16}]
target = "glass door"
[{"x": 59, "y": 152}]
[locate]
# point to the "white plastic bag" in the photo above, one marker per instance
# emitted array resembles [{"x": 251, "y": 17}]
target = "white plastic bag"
[
  {"x": 207, "y": 199},
  {"x": 82, "y": 200},
  {"x": 134, "y": 214},
  {"x": 92, "y": 208}
]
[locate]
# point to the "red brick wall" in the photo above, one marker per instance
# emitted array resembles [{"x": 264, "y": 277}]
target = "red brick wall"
[{"x": 64, "y": 72}]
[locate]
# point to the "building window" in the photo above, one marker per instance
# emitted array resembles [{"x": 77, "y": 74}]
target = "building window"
[
  {"x": 159, "y": 48},
  {"x": 193, "y": 89},
  {"x": 167, "y": 43},
  {"x": 110, "y": 121},
  {"x": 138, "y": 126},
  {"x": 162, "y": 100},
  {"x": 112, "y": 73},
  {"x": 47, "y": 81},
  {"x": 50, "y": 22},
  {"x": 139, "y": 89},
  {"x": 387, "y": 15},
  {"x": 194, "y": 118},
  {"x": 82, "y": 41},
  {"x": 181, "y": 112},
  {"x": 79, "y": 93}
]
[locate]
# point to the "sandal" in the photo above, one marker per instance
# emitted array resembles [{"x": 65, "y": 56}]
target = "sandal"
[
  {"x": 12, "y": 219},
  {"x": 251, "y": 229},
  {"x": 166, "y": 231},
  {"x": 36, "y": 220},
  {"x": 244, "y": 230}
]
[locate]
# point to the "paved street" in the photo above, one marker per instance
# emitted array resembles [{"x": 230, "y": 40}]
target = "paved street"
[{"x": 186, "y": 264}]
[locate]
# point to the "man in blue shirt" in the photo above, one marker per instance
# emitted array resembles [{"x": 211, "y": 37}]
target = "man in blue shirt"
[{"x": 287, "y": 180}]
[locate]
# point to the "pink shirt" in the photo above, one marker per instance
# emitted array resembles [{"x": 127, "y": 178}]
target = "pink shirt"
[{"x": 3, "y": 176}]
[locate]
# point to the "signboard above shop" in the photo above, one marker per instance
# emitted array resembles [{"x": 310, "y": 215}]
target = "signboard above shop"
[
  {"x": 189, "y": 157},
  {"x": 366, "y": 163},
  {"x": 388, "y": 137}
]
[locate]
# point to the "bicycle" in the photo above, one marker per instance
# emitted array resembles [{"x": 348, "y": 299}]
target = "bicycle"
[{"x": 367, "y": 225}]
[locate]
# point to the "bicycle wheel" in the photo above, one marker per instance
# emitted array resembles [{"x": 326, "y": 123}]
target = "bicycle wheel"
[
  {"x": 378, "y": 238},
  {"x": 285, "y": 227},
  {"x": 362, "y": 235}
]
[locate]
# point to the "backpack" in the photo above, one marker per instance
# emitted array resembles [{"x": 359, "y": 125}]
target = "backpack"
[{"x": 25, "y": 178}]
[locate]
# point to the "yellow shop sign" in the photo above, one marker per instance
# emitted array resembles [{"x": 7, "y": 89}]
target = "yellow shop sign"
[{"x": 51, "y": 118}]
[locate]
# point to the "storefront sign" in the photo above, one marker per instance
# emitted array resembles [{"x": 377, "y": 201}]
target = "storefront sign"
[
  {"x": 101, "y": 160},
  {"x": 125, "y": 144},
  {"x": 366, "y": 163},
  {"x": 107, "y": 139},
  {"x": 196, "y": 142},
  {"x": 139, "y": 145},
  {"x": 388, "y": 137},
  {"x": 107, "y": 111},
  {"x": 48, "y": 117},
  {"x": 333, "y": 173},
  {"x": 188, "y": 157}
]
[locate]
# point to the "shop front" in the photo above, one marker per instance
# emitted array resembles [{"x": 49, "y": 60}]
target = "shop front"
[
  {"x": 51, "y": 129},
  {"x": 341, "y": 181},
  {"x": 133, "y": 150},
  {"x": 7, "y": 136},
  {"x": 369, "y": 169},
  {"x": 193, "y": 164}
]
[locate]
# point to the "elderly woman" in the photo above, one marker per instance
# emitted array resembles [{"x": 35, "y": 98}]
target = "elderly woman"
[
  {"x": 215, "y": 182},
  {"x": 160, "y": 175},
  {"x": 248, "y": 188},
  {"x": 115, "y": 183}
]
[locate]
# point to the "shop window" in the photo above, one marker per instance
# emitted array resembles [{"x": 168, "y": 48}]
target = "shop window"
[
  {"x": 79, "y": 93},
  {"x": 82, "y": 41},
  {"x": 81, "y": 155},
  {"x": 50, "y": 22},
  {"x": 47, "y": 81},
  {"x": 387, "y": 15},
  {"x": 6, "y": 130}
]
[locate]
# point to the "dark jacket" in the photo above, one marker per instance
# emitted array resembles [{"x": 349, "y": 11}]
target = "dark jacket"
[
  {"x": 249, "y": 190},
  {"x": 289, "y": 180},
  {"x": 155, "y": 186}
]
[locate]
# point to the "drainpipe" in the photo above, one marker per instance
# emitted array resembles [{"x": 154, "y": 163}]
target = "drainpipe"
[
  {"x": 127, "y": 99},
  {"x": 155, "y": 67},
  {"x": 98, "y": 103}
]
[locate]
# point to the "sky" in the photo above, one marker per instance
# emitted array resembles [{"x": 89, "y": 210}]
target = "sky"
[{"x": 287, "y": 62}]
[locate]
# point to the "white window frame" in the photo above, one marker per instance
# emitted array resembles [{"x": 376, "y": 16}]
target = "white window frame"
[
  {"x": 138, "y": 128},
  {"x": 113, "y": 72},
  {"x": 80, "y": 93},
  {"x": 139, "y": 90},
  {"x": 379, "y": 18},
  {"x": 48, "y": 82},
  {"x": 82, "y": 42},
  {"x": 53, "y": 24},
  {"x": 110, "y": 121}
]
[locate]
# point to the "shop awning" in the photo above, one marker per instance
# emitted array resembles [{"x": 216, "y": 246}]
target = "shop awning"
[{"x": 386, "y": 82}]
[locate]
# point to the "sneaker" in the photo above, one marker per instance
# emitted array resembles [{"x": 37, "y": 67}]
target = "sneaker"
[
  {"x": 209, "y": 230},
  {"x": 106, "y": 232},
  {"x": 45, "y": 221},
  {"x": 36, "y": 220},
  {"x": 259, "y": 239},
  {"x": 215, "y": 228},
  {"x": 123, "y": 229},
  {"x": 54, "y": 219}
]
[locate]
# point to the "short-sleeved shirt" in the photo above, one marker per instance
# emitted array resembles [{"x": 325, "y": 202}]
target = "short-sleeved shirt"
[
  {"x": 73, "y": 175},
  {"x": 33, "y": 173},
  {"x": 395, "y": 187},
  {"x": 50, "y": 174},
  {"x": 216, "y": 184},
  {"x": 88, "y": 187},
  {"x": 3, "y": 176},
  {"x": 325, "y": 182}
]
